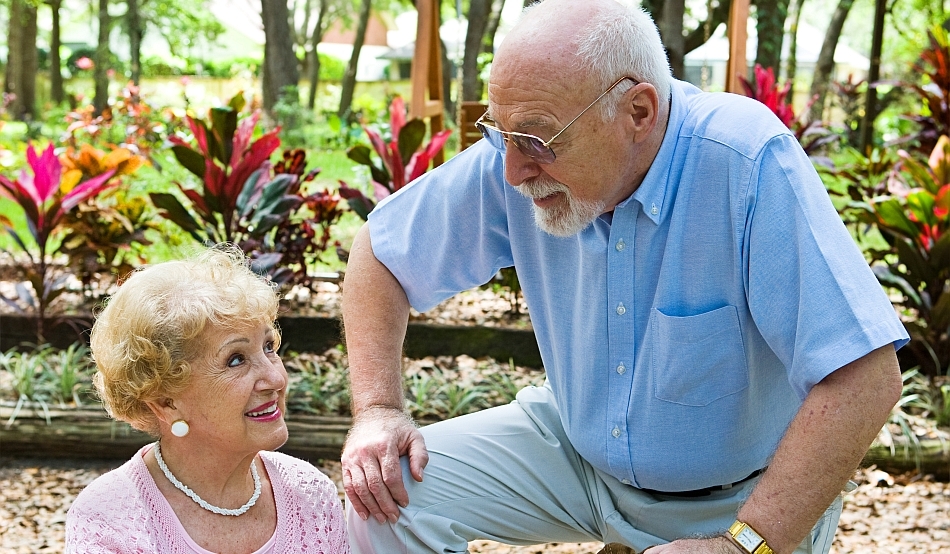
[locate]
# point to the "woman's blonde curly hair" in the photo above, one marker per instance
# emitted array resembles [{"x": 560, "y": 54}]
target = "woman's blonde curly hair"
[{"x": 150, "y": 330}]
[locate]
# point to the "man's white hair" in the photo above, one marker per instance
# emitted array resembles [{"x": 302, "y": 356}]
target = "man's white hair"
[{"x": 612, "y": 47}]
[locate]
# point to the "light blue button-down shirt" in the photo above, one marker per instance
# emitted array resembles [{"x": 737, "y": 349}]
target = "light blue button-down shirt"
[{"x": 681, "y": 332}]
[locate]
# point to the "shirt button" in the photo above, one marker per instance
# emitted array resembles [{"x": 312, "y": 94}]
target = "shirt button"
[
  {"x": 625, "y": 481},
  {"x": 621, "y": 310},
  {"x": 620, "y": 245},
  {"x": 654, "y": 210},
  {"x": 621, "y": 369},
  {"x": 615, "y": 432}
]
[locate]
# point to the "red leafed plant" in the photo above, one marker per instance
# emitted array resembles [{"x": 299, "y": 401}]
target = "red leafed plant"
[
  {"x": 245, "y": 200},
  {"x": 45, "y": 197},
  {"x": 403, "y": 158},
  {"x": 767, "y": 91}
]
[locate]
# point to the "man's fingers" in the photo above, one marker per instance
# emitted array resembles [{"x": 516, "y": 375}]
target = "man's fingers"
[
  {"x": 377, "y": 496},
  {"x": 359, "y": 491},
  {"x": 353, "y": 496},
  {"x": 418, "y": 457}
]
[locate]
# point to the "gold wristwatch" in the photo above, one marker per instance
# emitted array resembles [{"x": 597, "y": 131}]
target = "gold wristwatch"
[{"x": 748, "y": 539}]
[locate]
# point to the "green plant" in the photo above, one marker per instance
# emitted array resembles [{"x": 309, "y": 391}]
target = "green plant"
[
  {"x": 71, "y": 374},
  {"x": 914, "y": 219},
  {"x": 422, "y": 396},
  {"x": 26, "y": 368},
  {"x": 402, "y": 158},
  {"x": 462, "y": 399},
  {"x": 46, "y": 197},
  {"x": 318, "y": 387}
]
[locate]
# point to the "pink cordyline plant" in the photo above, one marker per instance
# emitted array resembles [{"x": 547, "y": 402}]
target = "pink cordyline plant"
[
  {"x": 46, "y": 197},
  {"x": 402, "y": 159},
  {"x": 766, "y": 90}
]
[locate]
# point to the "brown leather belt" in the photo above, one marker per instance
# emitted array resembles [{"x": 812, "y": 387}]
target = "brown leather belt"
[{"x": 708, "y": 490}]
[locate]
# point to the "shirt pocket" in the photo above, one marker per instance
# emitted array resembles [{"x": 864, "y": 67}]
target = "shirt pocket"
[{"x": 698, "y": 359}]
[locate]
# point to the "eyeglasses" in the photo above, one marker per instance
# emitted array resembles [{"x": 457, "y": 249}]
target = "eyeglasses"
[{"x": 530, "y": 145}]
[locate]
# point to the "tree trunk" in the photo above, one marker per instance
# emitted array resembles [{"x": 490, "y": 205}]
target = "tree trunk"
[
  {"x": 870, "y": 108},
  {"x": 478, "y": 12},
  {"x": 448, "y": 105},
  {"x": 654, "y": 8},
  {"x": 698, "y": 36},
  {"x": 280, "y": 62},
  {"x": 134, "y": 21},
  {"x": 791, "y": 67},
  {"x": 671, "y": 30},
  {"x": 770, "y": 29},
  {"x": 57, "y": 92},
  {"x": 494, "y": 19},
  {"x": 101, "y": 78},
  {"x": 826, "y": 59},
  {"x": 22, "y": 61},
  {"x": 349, "y": 77},
  {"x": 315, "y": 39}
]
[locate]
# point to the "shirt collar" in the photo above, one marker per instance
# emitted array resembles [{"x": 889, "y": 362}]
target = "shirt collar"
[{"x": 652, "y": 192}]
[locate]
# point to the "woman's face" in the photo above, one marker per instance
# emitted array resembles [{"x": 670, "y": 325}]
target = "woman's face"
[{"x": 237, "y": 395}]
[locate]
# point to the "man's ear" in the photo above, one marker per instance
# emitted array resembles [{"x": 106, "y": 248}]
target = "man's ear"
[
  {"x": 641, "y": 110},
  {"x": 164, "y": 409}
]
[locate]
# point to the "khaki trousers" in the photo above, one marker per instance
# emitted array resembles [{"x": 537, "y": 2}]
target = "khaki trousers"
[{"x": 509, "y": 474}]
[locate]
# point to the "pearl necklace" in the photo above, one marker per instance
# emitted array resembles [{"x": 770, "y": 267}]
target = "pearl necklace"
[{"x": 191, "y": 494}]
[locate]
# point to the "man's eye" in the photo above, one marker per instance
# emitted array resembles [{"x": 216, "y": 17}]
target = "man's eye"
[
  {"x": 269, "y": 346},
  {"x": 235, "y": 360}
]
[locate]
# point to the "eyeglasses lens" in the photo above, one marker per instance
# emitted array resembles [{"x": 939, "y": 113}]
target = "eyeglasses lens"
[
  {"x": 530, "y": 146},
  {"x": 533, "y": 148}
]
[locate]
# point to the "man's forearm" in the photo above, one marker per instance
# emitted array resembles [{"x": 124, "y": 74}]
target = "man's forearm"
[
  {"x": 375, "y": 315},
  {"x": 822, "y": 447}
]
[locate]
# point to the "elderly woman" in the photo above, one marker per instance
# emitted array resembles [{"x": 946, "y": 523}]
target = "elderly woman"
[{"x": 187, "y": 351}]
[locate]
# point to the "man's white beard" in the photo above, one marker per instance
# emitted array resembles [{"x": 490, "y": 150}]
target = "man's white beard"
[{"x": 566, "y": 218}]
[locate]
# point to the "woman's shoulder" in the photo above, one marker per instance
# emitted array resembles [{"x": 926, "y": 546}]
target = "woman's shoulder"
[
  {"x": 308, "y": 504},
  {"x": 118, "y": 486},
  {"x": 296, "y": 473},
  {"x": 111, "y": 510}
]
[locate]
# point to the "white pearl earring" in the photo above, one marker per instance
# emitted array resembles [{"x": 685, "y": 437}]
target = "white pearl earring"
[{"x": 180, "y": 428}]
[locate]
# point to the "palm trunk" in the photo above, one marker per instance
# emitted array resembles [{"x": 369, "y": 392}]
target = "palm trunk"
[
  {"x": 315, "y": 40},
  {"x": 349, "y": 78},
  {"x": 57, "y": 92},
  {"x": 101, "y": 100},
  {"x": 826, "y": 59}
]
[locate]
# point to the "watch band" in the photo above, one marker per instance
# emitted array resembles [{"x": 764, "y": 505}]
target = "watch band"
[{"x": 748, "y": 539}]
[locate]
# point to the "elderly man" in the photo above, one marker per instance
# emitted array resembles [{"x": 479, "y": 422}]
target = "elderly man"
[{"x": 718, "y": 354}]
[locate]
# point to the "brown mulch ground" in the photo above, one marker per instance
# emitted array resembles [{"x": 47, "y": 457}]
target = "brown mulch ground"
[{"x": 886, "y": 514}]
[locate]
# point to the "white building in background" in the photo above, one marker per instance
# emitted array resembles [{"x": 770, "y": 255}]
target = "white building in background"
[{"x": 710, "y": 59}]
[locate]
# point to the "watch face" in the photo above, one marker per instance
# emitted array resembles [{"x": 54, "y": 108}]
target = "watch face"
[{"x": 749, "y": 539}]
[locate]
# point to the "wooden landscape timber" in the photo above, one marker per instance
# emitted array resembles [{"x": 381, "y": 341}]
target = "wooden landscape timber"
[
  {"x": 318, "y": 334},
  {"x": 88, "y": 432}
]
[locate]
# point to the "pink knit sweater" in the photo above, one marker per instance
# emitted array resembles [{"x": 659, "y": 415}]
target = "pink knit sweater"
[{"x": 124, "y": 512}]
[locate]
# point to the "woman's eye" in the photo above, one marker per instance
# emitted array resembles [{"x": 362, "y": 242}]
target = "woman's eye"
[
  {"x": 235, "y": 360},
  {"x": 269, "y": 346}
]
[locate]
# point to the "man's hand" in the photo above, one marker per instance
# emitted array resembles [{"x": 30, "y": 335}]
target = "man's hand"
[
  {"x": 372, "y": 475},
  {"x": 714, "y": 545}
]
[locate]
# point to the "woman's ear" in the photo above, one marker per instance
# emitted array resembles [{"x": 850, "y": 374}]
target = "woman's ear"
[{"x": 164, "y": 409}]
